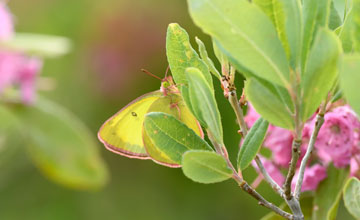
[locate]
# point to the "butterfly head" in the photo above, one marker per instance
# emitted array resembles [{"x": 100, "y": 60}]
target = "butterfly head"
[{"x": 168, "y": 85}]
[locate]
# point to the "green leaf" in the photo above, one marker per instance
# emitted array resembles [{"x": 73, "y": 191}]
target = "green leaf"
[
  {"x": 243, "y": 44},
  {"x": 252, "y": 143},
  {"x": 171, "y": 137},
  {"x": 10, "y": 134},
  {"x": 205, "y": 57},
  {"x": 275, "y": 11},
  {"x": 350, "y": 78},
  {"x": 334, "y": 20},
  {"x": 62, "y": 147},
  {"x": 306, "y": 202},
  {"x": 352, "y": 197},
  {"x": 38, "y": 44},
  {"x": 205, "y": 167},
  {"x": 204, "y": 104},
  {"x": 328, "y": 194},
  {"x": 286, "y": 18},
  {"x": 268, "y": 104},
  {"x": 321, "y": 71},
  {"x": 316, "y": 14},
  {"x": 180, "y": 56},
  {"x": 350, "y": 33}
]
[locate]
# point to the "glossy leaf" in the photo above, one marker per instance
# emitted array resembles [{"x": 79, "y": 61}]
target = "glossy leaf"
[
  {"x": 352, "y": 197},
  {"x": 328, "y": 194},
  {"x": 62, "y": 147},
  {"x": 180, "y": 56},
  {"x": 349, "y": 80},
  {"x": 316, "y": 14},
  {"x": 37, "y": 44},
  {"x": 268, "y": 104},
  {"x": 204, "y": 104},
  {"x": 205, "y": 57},
  {"x": 253, "y": 46},
  {"x": 171, "y": 137},
  {"x": 252, "y": 143},
  {"x": 321, "y": 71},
  {"x": 205, "y": 167}
]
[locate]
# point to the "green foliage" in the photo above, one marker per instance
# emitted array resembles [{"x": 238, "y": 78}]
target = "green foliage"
[
  {"x": 206, "y": 59},
  {"x": 180, "y": 56},
  {"x": 252, "y": 143},
  {"x": 350, "y": 32},
  {"x": 205, "y": 167},
  {"x": 268, "y": 104},
  {"x": 204, "y": 104},
  {"x": 61, "y": 146},
  {"x": 350, "y": 78},
  {"x": 321, "y": 71},
  {"x": 245, "y": 45},
  {"x": 352, "y": 197},
  {"x": 328, "y": 194},
  {"x": 316, "y": 14},
  {"x": 171, "y": 137},
  {"x": 37, "y": 44}
]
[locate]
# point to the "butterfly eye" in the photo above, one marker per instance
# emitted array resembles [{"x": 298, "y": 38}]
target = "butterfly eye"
[{"x": 165, "y": 84}]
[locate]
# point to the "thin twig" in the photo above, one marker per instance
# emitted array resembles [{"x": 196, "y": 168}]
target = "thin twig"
[
  {"x": 295, "y": 157},
  {"x": 268, "y": 178},
  {"x": 319, "y": 122},
  {"x": 232, "y": 97},
  {"x": 245, "y": 186}
]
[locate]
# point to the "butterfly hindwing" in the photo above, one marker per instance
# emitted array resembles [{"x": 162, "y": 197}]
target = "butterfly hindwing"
[{"x": 174, "y": 105}]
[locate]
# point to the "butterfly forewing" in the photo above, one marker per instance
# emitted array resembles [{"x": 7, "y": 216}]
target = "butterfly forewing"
[{"x": 122, "y": 132}]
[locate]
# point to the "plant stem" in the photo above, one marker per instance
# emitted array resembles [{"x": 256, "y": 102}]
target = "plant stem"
[
  {"x": 244, "y": 185},
  {"x": 295, "y": 157},
  {"x": 268, "y": 178},
  {"x": 232, "y": 97},
  {"x": 319, "y": 123}
]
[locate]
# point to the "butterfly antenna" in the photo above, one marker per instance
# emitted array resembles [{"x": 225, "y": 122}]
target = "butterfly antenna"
[
  {"x": 167, "y": 71},
  {"x": 150, "y": 74}
]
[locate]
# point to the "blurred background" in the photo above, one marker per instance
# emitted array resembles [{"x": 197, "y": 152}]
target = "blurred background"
[{"x": 112, "y": 41}]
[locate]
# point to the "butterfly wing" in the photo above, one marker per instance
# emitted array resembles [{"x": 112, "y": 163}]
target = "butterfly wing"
[
  {"x": 174, "y": 105},
  {"x": 122, "y": 134}
]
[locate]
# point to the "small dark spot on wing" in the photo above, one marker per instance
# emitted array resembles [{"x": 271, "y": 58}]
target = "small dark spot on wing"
[{"x": 134, "y": 114}]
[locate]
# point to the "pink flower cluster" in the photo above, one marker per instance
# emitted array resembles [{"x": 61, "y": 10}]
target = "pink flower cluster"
[
  {"x": 16, "y": 69},
  {"x": 338, "y": 142}
]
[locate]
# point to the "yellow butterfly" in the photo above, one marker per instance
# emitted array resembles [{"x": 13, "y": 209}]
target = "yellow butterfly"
[{"x": 123, "y": 133}]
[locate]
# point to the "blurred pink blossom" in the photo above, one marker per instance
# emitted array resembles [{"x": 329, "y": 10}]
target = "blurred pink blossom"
[
  {"x": 336, "y": 137},
  {"x": 312, "y": 177},
  {"x": 6, "y": 22},
  {"x": 272, "y": 169},
  {"x": 17, "y": 69},
  {"x": 279, "y": 141}
]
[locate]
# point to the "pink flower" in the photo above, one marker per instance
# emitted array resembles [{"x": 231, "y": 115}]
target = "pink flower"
[
  {"x": 17, "y": 69},
  {"x": 312, "y": 177},
  {"x": 336, "y": 137},
  {"x": 279, "y": 141},
  {"x": 6, "y": 22},
  {"x": 251, "y": 116},
  {"x": 273, "y": 171}
]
